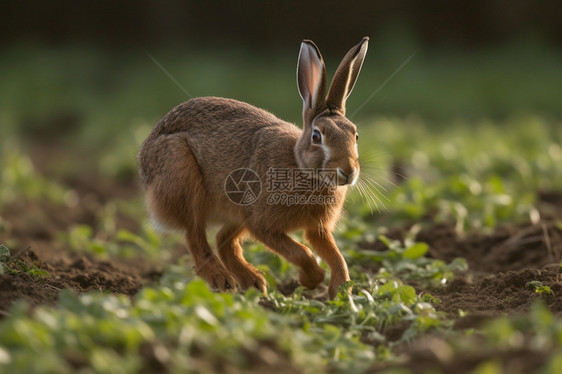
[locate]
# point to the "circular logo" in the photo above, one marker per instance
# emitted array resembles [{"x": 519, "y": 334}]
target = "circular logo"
[{"x": 242, "y": 186}]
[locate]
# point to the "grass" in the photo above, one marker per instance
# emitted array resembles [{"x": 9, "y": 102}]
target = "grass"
[
  {"x": 480, "y": 169},
  {"x": 107, "y": 331},
  {"x": 481, "y": 173}
]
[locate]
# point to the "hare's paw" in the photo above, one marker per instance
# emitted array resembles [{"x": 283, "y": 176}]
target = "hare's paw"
[
  {"x": 334, "y": 288},
  {"x": 218, "y": 278},
  {"x": 311, "y": 277},
  {"x": 248, "y": 276}
]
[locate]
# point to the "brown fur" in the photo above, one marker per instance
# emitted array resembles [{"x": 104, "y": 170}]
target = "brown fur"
[{"x": 187, "y": 158}]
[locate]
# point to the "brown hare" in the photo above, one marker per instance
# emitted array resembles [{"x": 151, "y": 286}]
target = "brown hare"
[{"x": 208, "y": 146}]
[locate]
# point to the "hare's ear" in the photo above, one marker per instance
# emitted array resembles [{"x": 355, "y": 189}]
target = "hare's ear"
[
  {"x": 311, "y": 79},
  {"x": 346, "y": 76}
]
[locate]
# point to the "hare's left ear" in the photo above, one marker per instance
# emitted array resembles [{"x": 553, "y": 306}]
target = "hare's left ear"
[
  {"x": 311, "y": 80},
  {"x": 346, "y": 76}
]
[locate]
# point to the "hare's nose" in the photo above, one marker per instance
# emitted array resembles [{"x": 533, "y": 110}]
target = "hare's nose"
[
  {"x": 350, "y": 178},
  {"x": 342, "y": 174}
]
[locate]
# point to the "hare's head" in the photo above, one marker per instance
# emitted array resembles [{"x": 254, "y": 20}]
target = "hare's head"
[{"x": 329, "y": 139}]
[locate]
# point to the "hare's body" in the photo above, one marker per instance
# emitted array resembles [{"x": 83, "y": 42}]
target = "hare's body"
[
  {"x": 190, "y": 131},
  {"x": 186, "y": 162}
]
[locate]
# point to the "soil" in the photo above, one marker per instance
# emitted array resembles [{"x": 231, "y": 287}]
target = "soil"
[
  {"x": 501, "y": 265},
  {"x": 34, "y": 228}
]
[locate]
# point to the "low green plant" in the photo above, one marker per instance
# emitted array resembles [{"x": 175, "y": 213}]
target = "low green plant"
[
  {"x": 20, "y": 179},
  {"x": 120, "y": 243},
  {"x": 539, "y": 288},
  {"x": 467, "y": 172},
  {"x": 4, "y": 257},
  {"x": 11, "y": 266},
  {"x": 406, "y": 261},
  {"x": 192, "y": 327}
]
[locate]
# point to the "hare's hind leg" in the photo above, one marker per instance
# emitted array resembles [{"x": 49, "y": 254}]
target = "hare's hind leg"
[
  {"x": 310, "y": 274},
  {"x": 230, "y": 252},
  {"x": 177, "y": 198},
  {"x": 207, "y": 265}
]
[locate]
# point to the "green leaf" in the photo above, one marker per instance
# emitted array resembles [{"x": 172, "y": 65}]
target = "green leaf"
[
  {"x": 4, "y": 257},
  {"x": 416, "y": 251},
  {"x": 127, "y": 236},
  {"x": 384, "y": 240},
  {"x": 4, "y": 253},
  {"x": 538, "y": 287},
  {"x": 407, "y": 294},
  {"x": 430, "y": 299}
]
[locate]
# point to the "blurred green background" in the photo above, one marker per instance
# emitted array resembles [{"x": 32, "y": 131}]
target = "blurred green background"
[
  {"x": 81, "y": 84},
  {"x": 78, "y": 61}
]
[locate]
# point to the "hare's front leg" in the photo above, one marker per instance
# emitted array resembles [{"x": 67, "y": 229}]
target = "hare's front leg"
[
  {"x": 324, "y": 244},
  {"x": 207, "y": 265},
  {"x": 230, "y": 253},
  {"x": 310, "y": 274}
]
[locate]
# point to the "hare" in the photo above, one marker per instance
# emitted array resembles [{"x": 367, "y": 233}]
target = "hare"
[{"x": 208, "y": 146}]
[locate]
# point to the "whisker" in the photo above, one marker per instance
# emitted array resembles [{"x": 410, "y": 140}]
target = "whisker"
[
  {"x": 373, "y": 168},
  {"x": 373, "y": 198},
  {"x": 373, "y": 157},
  {"x": 370, "y": 197},
  {"x": 377, "y": 187},
  {"x": 362, "y": 193},
  {"x": 386, "y": 179},
  {"x": 375, "y": 184},
  {"x": 374, "y": 191},
  {"x": 360, "y": 190}
]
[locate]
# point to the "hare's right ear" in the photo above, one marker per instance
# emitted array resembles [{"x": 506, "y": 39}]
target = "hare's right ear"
[
  {"x": 311, "y": 79},
  {"x": 345, "y": 77}
]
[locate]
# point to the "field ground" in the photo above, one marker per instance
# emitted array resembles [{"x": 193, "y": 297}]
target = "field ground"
[{"x": 454, "y": 251}]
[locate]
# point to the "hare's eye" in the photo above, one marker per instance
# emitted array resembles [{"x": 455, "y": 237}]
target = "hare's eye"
[
  {"x": 316, "y": 137},
  {"x": 356, "y": 136}
]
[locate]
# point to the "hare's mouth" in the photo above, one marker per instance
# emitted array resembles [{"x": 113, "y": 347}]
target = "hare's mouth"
[{"x": 347, "y": 179}]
